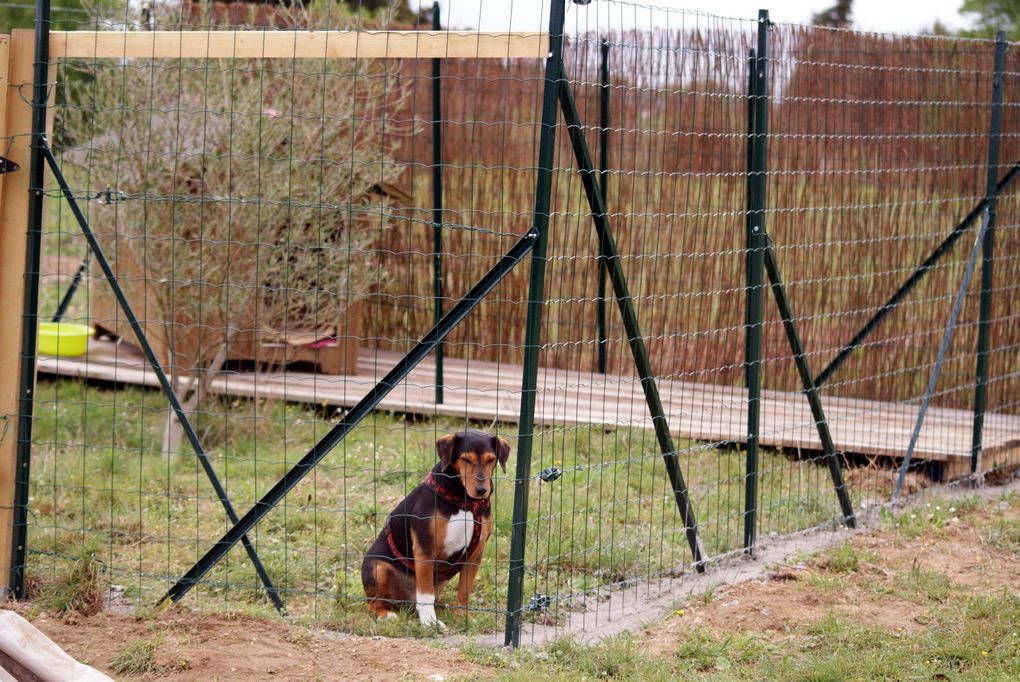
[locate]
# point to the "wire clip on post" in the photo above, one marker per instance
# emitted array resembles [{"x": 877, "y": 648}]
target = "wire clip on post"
[
  {"x": 551, "y": 474},
  {"x": 539, "y": 602}
]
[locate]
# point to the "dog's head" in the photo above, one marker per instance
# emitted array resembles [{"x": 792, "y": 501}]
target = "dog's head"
[{"x": 471, "y": 456}]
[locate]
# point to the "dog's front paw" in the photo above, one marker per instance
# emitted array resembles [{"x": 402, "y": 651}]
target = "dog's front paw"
[
  {"x": 430, "y": 621},
  {"x": 427, "y": 617},
  {"x": 426, "y": 608}
]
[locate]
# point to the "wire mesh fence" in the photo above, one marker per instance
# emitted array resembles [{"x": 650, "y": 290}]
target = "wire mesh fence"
[{"x": 272, "y": 222}]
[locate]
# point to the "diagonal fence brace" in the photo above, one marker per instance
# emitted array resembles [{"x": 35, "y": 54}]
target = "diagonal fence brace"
[
  {"x": 916, "y": 277},
  {"x": 611, "y": 256},
  {"x": 164, "y": 382},
  {"x": 353, "y": 417},
  {"x": 65, "y": 302},
  {"x": 947, "y": 337},
  {"x": 810, "y": 390}
]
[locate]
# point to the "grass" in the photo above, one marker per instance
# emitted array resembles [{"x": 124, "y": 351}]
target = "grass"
[
  {"x": 99, "y": 481},
  {"x": 79, "y": 589},
  {"x": 138, "y": 657},
  {"x": 1004, "y": 536},
  {"x": 971, "y": 638},
  {"x": 845, "y": 558},
  {"x": 932, "y": 517},
  {"x": 965, "y": 635}
]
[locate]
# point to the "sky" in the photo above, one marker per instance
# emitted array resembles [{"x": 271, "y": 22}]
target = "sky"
[{"x": 887, "y": 16}]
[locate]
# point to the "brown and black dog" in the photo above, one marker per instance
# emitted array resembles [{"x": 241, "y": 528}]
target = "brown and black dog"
[{"x": 438, "y": 531}]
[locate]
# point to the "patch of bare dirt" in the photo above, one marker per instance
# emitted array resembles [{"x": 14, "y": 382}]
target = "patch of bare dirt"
[
  {"x": 233, "y": 647},
  {"x": 778, "y": 607},
  {"x": 789, "y": 598},
  {"x": 958, "y": 551}
]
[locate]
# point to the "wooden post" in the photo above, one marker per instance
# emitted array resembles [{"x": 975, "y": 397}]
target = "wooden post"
[
  {"x": 5, "y": 51},
  {"x": 17, "y": 55},
  {"x": 16, "y": 139}
]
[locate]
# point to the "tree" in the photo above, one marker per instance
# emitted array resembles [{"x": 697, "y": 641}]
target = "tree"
[
  {"x": 837, "y": 16},
  {"x": 993, "y": 16},
  {"x": 252, "y": 207},
  {"x": 66, "y": 15}
]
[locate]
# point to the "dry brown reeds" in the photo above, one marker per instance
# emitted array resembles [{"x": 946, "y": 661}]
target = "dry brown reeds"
[{"x": 877, "y": 149}]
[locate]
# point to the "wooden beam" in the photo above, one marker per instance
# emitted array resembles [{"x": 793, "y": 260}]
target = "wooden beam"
[
  {"x": 5, "y": 51},
  {"x": 14, "y": 139},
  {"x": 991, "y": 458},
  {"x": 296, "y": 44}
]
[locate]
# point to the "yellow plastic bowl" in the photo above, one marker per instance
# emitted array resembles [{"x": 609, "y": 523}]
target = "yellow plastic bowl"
[{"x": 61, "y": 338}]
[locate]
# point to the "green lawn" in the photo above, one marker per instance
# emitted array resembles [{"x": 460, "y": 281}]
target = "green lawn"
[{"x": 100, "y": 486}]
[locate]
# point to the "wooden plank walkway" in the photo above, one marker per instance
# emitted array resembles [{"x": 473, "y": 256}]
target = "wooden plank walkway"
[{"x": 487, "y": 391}]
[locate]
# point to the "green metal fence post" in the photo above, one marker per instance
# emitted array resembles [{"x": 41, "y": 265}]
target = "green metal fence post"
[
  {"x": 30, "y": 302},
  {"x": 437, "y": 200},
  {"x": 755, "y": 272},
  {"x": 600, "y": 300},
  {"x": 533, "y": 330},
  {"x": 987, "y": 257}
]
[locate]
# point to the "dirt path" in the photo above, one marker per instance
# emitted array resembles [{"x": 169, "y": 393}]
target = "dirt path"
[{"x": 225, "y": 647}]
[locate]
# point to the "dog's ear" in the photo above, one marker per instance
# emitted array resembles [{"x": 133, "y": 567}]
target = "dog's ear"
[
  {"x": 446, "y": 447},
  {"x": 502, "y": 448}
]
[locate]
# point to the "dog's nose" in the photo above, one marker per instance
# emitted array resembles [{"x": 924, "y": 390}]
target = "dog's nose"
[{"x": 480, "y": 490}]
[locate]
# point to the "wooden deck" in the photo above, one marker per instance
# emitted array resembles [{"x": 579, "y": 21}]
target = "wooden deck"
[{"x": 489, "y": 391}]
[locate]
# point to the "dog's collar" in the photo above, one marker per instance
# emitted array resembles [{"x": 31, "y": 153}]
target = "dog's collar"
[{"x": 462, "y": 502}]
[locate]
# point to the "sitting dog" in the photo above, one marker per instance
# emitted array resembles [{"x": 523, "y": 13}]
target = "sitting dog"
[{"x": 438, "y": 531}]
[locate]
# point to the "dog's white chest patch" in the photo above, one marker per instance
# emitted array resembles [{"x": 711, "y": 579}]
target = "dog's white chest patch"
[{"x": 458, "y": 532}]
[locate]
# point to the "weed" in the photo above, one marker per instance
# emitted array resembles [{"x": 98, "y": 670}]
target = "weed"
[
  {"x": 615, "y": 659},
  {"x": 137, "y": 658},
  {"x": 844, "y": 558},
  {"x": 923, "y": 585},
  {"x": 936, "y": 515},
  {"x": 1004, "y": 535},
  {"x": 970, "y": 504},
  {"x": 80, "y": 589},
  {"x": 701, "y": 652},
  {"x": 298, "y": 635}
]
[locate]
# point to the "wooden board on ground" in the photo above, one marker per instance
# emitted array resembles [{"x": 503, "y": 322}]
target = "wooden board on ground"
[{"x": 488, "y": 391}]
